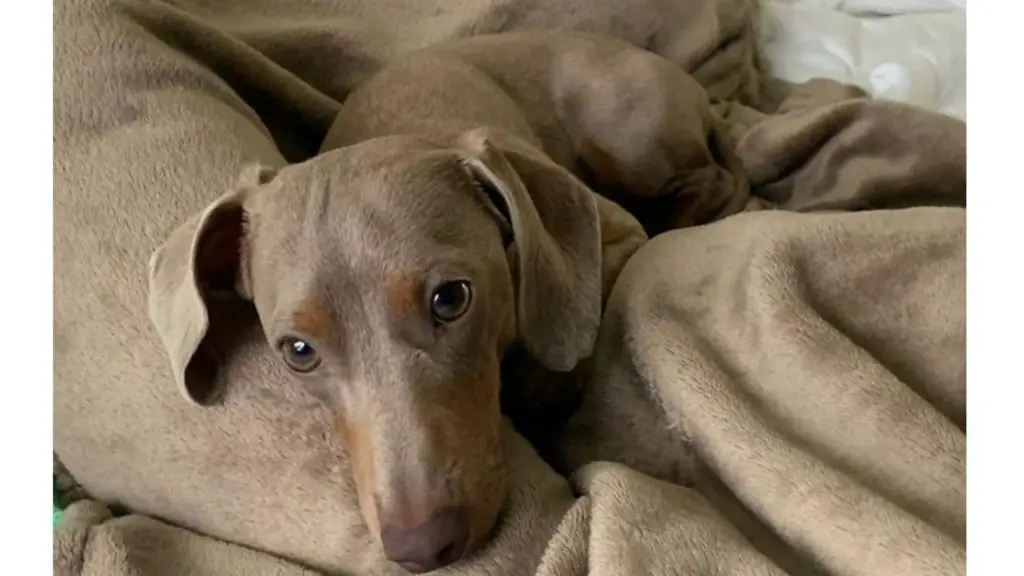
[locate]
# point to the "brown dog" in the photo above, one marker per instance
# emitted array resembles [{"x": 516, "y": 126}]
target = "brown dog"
[{"x": 446, "y": 222}]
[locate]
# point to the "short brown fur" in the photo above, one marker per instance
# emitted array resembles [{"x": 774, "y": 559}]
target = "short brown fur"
[
  {"x": 311, "y": 319},
  {"x": 405, "y": 296},
  {"x": 434, "y": 170}
]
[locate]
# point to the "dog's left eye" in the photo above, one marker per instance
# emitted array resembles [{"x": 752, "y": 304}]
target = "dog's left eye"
[
  {"x": 451, "y": 300},
  {"x": 299, "y": 355}
]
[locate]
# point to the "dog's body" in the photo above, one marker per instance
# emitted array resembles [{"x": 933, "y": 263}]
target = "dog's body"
[
  {"x": 629, "y": 123},
  {"x": 442, "y": 227}
]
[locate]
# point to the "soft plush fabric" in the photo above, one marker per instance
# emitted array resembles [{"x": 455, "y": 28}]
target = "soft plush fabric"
[{"x": 778, "y": 392}]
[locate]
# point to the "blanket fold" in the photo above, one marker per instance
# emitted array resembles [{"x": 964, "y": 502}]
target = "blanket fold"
[
  {"x": 780, "y": 392},
  {"x": 94, "y": 543},
  {"x": 747, "y": 345}
]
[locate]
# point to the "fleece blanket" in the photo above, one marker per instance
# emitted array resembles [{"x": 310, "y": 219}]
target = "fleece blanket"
[{"x": 780, "y": 392}]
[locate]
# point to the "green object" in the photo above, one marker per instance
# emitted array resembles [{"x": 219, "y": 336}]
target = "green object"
[{"x": 57, "y": 512}]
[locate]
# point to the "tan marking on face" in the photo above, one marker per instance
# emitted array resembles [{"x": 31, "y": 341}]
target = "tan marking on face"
[
  {"x": 461, "y": 460},
  {"x": 464, "y": 432},
  {"x": 404, "y": 296},
  {"x": 311, "y": 319},
  {"x": 488, "y": 489},
  {"x": 358, "y": 442}
]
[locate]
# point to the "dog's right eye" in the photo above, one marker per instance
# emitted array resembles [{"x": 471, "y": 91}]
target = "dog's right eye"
[{"x": 299, "y": 355}]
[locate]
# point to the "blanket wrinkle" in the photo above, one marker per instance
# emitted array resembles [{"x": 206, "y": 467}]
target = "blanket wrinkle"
[
  {"x": 813, "y": 434},
  {"x": 850, "y": 150},
  {"x": 779, "y": 392}
]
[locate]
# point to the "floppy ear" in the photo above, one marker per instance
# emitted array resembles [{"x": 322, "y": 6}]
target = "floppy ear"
[
  {"x": 200, "y": 261},
  {"x": 557, "y": 242}
]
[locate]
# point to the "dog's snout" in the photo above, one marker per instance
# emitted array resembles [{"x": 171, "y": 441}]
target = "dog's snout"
[{"x": 436, "y": 543}]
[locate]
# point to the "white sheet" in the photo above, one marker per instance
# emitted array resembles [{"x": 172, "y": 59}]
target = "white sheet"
[{"x": 908, "y": 50}]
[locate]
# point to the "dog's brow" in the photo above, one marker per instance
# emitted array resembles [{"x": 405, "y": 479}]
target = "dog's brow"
[
  {"x": 311, "y": 319},
  {"x": 403, "y": 295}
]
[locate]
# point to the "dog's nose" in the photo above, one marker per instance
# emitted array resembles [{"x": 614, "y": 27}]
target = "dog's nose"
[{"x": 434, "y": 544}]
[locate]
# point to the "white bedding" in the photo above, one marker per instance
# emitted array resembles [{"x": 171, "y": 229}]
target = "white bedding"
[{"x": 908, "y": 50}]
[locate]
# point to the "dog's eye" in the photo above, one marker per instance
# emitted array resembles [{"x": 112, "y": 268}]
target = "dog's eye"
[
  {"x": 451, "y": 300},
  {"x": 299, "y": 355}
]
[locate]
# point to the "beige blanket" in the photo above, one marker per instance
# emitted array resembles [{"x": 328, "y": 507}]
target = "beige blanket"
[{"x": 780, "y": 392}]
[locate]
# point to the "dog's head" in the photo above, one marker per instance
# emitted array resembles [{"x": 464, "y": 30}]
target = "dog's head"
[{"x": 390, "y": 277}]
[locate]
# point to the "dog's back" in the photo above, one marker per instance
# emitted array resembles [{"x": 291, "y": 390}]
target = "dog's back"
[
  {"x": 516, "y": 82},
  {"x": 630, "y": 123}
]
